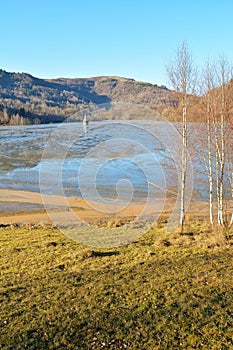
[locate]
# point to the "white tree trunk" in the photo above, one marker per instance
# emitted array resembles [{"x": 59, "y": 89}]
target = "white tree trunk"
[
  {"x": 231, "y": 179},
  {"x": 183, "y": 76},
  {"x": 210, "y": 172},
  {"x": 222, "y": 156},
  {"x": 231, "y": 221},
  {"x": 217, "y": 157},
  {"x": 183, "y": 165}
]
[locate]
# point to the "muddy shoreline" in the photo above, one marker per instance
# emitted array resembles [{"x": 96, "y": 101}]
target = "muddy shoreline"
[{"x": 23, "y": 207}]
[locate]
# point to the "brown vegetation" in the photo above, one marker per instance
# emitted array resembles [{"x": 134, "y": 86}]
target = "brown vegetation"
[{"x": 25, "y": 99}]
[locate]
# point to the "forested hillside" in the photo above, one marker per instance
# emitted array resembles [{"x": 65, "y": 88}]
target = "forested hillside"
[{"x": 25, "y": 99}]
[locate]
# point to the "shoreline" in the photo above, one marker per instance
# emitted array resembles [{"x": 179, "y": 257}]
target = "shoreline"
[{"x": 24, "y": 207}]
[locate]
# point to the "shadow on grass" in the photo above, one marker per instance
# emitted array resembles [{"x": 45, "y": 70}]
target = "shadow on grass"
[{"x": 102, "y": 254}]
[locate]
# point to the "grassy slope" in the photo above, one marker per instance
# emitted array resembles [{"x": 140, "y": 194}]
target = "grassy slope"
[{"x": 142, "y": 296}]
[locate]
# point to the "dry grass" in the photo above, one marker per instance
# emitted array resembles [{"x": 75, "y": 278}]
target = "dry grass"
[
  {"x": 165, "y": 291},
  {"x": 196, "y": 234}
]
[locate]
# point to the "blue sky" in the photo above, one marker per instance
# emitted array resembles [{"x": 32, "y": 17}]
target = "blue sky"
[{"x": 130, "y": 38}]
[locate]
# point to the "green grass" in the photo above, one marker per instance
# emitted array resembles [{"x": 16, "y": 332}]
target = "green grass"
[{"x": 147, "y": 295}]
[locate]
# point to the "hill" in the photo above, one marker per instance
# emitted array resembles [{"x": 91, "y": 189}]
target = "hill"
[{"x": 27, "y": 99}]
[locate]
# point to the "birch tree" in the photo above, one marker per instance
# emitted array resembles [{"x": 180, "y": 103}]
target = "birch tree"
[
  {"x": 229, "y": 148},
  {"x": 182, "y": 76},
  {"x": 230, "y": 175},
  {"x": 209, "y": 84},
  {"x": 220, "y": 127}
]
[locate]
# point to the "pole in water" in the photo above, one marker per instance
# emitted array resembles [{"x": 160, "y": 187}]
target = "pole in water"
[{"x": 85, "y": 121}]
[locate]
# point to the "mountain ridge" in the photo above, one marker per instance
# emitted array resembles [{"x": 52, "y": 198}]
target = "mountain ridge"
[{"x": 53, "y": 100}]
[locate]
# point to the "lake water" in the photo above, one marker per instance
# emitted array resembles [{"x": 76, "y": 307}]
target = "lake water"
[{"x": 107, "y": 159}]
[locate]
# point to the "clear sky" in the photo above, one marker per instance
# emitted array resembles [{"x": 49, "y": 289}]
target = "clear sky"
[{"x": 130, "y": 38}]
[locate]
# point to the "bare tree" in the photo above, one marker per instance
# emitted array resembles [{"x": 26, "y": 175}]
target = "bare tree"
[
  {"x": 229, "y": 147},
  {"x": 209, "y": 84},
  {"x": 220, "y": 127},
  {"x": 182, "y": 76},
  {"x": 229, "y": 168}
]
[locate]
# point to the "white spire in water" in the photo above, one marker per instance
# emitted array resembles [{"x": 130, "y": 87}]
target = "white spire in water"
[{"x": 85, "y": 121}]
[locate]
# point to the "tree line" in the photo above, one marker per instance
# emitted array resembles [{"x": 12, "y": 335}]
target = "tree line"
[
  {"x": 214, "y": 84},
  {"x": 10, "y": 116},
  {"x": 21, "y": 116}
]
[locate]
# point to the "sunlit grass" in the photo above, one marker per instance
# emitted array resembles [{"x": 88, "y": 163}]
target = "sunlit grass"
[{"x": 164, "y": 291}]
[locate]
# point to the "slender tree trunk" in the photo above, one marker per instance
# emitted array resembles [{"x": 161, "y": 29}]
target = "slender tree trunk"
[
  {"x": 231, "y": 179},
  {"x": 182, "y": 75},
  {"x": 184, "y": 164},
  {"x": 231, "y": 220},
  {"x": 210, "y": 172},
  {"x": 217, "y": 166},
  {"x": 222, "y": 156}
]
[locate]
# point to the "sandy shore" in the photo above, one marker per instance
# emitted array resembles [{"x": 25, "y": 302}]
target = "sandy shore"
[
  {"x": 24, "y": 207},
  {"x": 30, "y": 207}
]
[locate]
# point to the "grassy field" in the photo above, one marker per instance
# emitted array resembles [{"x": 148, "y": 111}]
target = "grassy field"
[{"x": 164, "y": 291}]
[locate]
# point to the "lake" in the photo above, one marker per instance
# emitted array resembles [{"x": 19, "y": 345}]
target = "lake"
[{"x": 108, "y": 159}]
